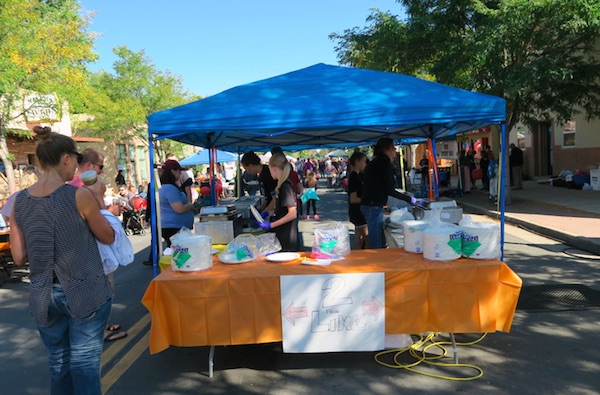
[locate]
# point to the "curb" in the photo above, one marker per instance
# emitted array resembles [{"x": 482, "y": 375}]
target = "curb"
[{"x": 579, "y": 242}]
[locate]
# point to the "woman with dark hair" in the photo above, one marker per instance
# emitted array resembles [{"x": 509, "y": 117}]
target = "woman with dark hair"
[
  {"x": 175, "y": 211},
  {"x": 285, "y": 220},
  {"x": 357, "y": 164},
  {"x": 70, "y": 296},
  {"x": 378, "y": 185},
  {"x": 251, "y": 163}
]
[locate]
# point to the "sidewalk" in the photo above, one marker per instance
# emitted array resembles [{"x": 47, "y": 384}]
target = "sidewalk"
[{"x": 569, "y": 215}]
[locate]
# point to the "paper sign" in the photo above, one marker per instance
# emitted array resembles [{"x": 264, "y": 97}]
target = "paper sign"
[{"x": 333, "y": 312}]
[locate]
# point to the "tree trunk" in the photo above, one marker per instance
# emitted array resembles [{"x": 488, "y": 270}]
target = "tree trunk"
[{"x": 10, "y": 173}]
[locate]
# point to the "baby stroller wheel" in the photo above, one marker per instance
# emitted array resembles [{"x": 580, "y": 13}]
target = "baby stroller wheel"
[
  {"x": 128, "y": 232},
  {"x": 142, "y": 232}
]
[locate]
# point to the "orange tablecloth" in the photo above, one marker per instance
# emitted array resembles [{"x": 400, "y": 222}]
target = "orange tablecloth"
[{"x": 240, "y": 304}]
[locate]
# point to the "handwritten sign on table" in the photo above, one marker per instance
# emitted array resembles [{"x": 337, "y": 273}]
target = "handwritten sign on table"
[{"x": 333, "y": 312}]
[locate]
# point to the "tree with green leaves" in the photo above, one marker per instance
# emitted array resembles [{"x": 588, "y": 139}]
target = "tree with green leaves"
[
  {"x": 542, "y": 56},
  {"x": 121, "y": 101},
  {"x": 44, "y": 48}
]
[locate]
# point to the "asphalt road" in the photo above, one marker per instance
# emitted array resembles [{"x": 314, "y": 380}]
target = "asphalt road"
[{"x": 549, "y": 352}]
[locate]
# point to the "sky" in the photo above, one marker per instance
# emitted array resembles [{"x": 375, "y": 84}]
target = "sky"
[{"x": 215, "y": 45}]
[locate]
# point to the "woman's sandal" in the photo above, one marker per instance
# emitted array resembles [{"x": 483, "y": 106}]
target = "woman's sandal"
[{"x": 115, "y": 335}]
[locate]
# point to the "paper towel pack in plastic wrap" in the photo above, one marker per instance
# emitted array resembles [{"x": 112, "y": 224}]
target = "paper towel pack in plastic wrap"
[
  {"x": 481, "y": 240},
  {"x": 191, "y": 252},
  {"x": 441, "y": 241},
  {"x": 413, "y": 235},
  {"x": 331, "y": 241}
]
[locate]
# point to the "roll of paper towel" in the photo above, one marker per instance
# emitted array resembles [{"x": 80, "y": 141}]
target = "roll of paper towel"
[
  {"x": 413, "y": 235},
  {"x": 442, "y": 243},
  {"x": 481, "y": 240},
  {"x": 191, "y": 253}
]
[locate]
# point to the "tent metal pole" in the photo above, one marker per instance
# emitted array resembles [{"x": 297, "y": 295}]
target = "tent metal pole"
[
  {"x": 153, "y": 218},
  {"x": 435, "y": 169},
  {"x": 402, "y": 169},
  {"x": 503, "y": 161}
]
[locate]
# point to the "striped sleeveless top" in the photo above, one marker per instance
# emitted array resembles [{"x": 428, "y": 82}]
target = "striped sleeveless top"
[{"x": 60, "y": 243}]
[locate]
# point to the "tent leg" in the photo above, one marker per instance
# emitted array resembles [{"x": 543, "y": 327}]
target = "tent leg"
[
  {"x": 211, "y": 364},
  {"x": 454, "y": 348}
]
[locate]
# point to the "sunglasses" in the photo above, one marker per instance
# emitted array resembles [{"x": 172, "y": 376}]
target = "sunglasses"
[{"x": 99, "y": 165}]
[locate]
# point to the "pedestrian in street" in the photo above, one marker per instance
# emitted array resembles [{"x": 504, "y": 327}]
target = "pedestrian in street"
[
  {"x": 90, "y": 160},
  {"x": 357, "y": 164},
  {"x": 310, "y": 185},
  {"x": 484, "y": 162},
  {"x": 70, "y": 296},
  {"x": 465, "y": 171},
  {"x": 31, "y": 175},
  {"x": 515, "y": 161},
  {"x": 424, "y": 164},
  {"x": 285, "y": 220},
  {"x": 378, "y": 185},
  {"x": 120, "y": 178}
]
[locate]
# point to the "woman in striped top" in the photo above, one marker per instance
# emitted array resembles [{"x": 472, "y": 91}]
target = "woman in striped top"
[{"x": 54, "y": 227}]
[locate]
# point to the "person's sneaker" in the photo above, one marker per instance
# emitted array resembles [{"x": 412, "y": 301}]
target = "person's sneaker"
[
  {"x": 316, "y": 216},
  {"x": 308, "y": 217}
]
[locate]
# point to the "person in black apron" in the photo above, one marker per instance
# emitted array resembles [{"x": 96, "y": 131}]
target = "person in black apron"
[{"x": 285, "y": 220}]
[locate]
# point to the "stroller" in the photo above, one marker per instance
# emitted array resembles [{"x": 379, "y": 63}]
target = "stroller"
[{"x": 133, "y": 220}]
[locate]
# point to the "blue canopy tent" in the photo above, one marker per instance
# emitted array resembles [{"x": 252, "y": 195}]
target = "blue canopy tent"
[
  {"x": 203, "y": 158},
  {"x": 325, "y": 106}
]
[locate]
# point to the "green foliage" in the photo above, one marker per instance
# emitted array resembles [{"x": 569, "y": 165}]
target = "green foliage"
[
  {"x": 542, "y": 56},
  {"x": 121, "y": 102},
  {"x": 44, "y": 46}
]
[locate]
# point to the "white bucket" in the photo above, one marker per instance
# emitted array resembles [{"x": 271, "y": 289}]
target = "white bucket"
[
  {"x": 413, "y": 235},
  {"x": 481, "y": 240},
  {"x": 191, "y": 253},
  {"x": 442, "y": 243}
]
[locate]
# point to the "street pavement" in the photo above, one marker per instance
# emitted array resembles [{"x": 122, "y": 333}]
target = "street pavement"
[{"x": 545, "y": 352}]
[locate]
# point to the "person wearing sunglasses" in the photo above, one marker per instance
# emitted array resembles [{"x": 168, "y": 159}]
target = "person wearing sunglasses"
[{"x": 89, "y": 159}]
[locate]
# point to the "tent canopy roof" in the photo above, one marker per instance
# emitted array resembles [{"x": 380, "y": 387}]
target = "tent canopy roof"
[{"x": 326, "y": 106}]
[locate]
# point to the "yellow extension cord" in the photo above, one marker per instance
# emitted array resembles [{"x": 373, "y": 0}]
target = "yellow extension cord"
[{"x": 419, "y": 349}]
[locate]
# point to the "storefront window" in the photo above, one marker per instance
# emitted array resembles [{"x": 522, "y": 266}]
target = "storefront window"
[
  {"x": 520, "y": 139},
  {"x": 569, "y": 129}
]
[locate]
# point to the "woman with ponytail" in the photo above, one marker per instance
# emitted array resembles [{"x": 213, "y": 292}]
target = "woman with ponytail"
[
  {"x": 54, "y": 226},
  {"x": 285, "y": 220}
]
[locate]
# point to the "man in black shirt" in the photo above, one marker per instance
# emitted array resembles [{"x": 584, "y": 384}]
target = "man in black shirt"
[{"x": 251, "y": 163}]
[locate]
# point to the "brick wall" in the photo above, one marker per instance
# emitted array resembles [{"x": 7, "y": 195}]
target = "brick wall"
[{"x": 574, "y": 159}]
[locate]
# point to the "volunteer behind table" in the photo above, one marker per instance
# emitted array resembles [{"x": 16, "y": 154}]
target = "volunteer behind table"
[
  {"x": 285, "y": 221},
  {"x": 378, "y": 185},
  {"x": 175, "y": 211},
  {"x": 251, "y": 163}
]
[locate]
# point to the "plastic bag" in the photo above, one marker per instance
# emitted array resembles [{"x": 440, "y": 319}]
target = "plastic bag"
[
  {"x": 243, "y": 248},
  {"x": 401, "y": 215},
  {"x": 332, "y": 241},
  {"x": 310, "y": 193},
  {"x": 191, "y": 252},
  {"x": 267, "y": 243}
]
